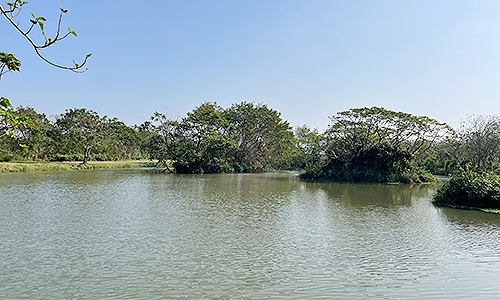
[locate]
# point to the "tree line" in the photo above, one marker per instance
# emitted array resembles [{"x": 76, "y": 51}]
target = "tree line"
[
  {"x": 360, "y": 144},
  {"x": 245, "y": 137},
  {"x": 370, "y": 144},
  {"x": 77, "y": 134}
]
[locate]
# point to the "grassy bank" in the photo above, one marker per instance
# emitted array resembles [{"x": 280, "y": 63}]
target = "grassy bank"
[{"x": 68, "y": 166}]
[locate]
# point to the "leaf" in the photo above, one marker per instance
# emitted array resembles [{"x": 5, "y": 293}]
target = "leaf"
[
  {"x": 72, "y": 32},
  {"x": 88, "y": 55},
  {"x": 5, "y": 102},
  {"x": 64, "y": 10}
]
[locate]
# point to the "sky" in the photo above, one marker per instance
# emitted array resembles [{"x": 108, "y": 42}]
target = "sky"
[{"x": 307, "y": 59}]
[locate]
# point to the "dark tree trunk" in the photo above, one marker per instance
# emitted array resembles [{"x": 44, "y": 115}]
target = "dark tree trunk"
[{"x": 86, "y": 155}]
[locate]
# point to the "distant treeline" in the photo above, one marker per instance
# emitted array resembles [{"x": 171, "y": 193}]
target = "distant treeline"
[{"x": 361, "y": 144}]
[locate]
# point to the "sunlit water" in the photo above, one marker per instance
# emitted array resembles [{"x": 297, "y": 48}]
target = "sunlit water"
[{"x": 136, "y": 235}]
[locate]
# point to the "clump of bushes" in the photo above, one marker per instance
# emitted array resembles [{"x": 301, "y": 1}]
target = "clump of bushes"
[
  {"x": 470, "y": 190},
  {"x": 377, "y": 164}
]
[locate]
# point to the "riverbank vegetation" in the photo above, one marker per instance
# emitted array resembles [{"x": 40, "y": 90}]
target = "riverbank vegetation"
[
  {"x": 76, "y": 135},
  {"x": 245, "y": 137},
  {"x": 471, "y": 190},
  {"x": 472, "y": 155},
  {"x": 376, "y": 145},
  {"x": 360, "y": 145},
  {"x": 68, "y": 166}
]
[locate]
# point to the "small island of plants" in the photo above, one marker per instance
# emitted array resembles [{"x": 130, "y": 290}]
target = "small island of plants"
[
  {"x": 376, "y": 145},
  {"x": 471, "y": 190}
]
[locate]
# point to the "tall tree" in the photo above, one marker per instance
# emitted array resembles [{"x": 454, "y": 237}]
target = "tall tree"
[
  {"x": 311, "y": 145},
  {"x": 479, "y": 142},
  {"x": 84, "y": 128},
  {"x": 375, "y": 144},
  {"x": 243, "y": 138},
  {"x": 10, "y": 121},
  {"x": 123, "y": 142},
  {"x": 360, "y": 129},
  {"x": 264, "y": 140}
]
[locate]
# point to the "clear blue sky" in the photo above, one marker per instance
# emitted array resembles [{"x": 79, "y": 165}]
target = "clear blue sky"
[{"x": 307, "y": 59}]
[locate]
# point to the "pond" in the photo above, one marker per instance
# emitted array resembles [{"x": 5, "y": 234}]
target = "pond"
[{"x": 137, "y": 235}]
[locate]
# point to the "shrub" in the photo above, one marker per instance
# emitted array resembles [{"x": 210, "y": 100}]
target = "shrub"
[
  {"x": 378, "y": 164},
  {"x": 470, "y": 190}
]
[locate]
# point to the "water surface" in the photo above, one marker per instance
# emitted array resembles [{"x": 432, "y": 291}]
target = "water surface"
[{"x": 130, "y": 234}]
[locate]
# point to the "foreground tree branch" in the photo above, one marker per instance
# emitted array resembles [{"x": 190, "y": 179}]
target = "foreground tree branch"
[
  {"x": 13, "y": 10},
  {"x": 9, "y": 119}
]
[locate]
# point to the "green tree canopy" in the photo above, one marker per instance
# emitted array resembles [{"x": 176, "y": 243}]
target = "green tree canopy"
[
  {"x": 376, "y": 144},
  {"x": 360, "y": 129},
  {"x": 244, "y": 138},
  {"x": 82, "y": 127},
  {"x": 264, "y": 140}
]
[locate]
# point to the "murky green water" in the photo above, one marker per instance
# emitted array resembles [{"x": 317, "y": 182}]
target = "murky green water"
[{"x": 134, "y": 235}]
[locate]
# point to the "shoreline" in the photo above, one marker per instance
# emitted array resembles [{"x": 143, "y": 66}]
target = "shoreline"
[
  {"x": 18, "y": 167},
  {"x": 485, "y": 210}
]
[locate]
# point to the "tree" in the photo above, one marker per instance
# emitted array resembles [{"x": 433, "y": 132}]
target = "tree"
[
  {"x": 375, "y": 144},
  {"x": 38, "y": 144},
  {"x": 264, "y": 140},
  {"x": 243, "y": 138},
  {"x": 159, "y": 134},
  {"x": 311, "y": 145},
  {"x": 360, "y": 129},
  {"x": 123, "y": 142},
  {"x": 9, "y": 63},
  {"x": 479, "y": 142},
  {"x": 198, "y": 143},
  {"x": 82, "y": 127},
  {"x": 10, "y": 121}
]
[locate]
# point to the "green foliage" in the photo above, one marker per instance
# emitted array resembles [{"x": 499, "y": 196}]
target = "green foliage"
[
  {"x": 359, "y": 129},
  {"x": 474, "y": 146},
  {"x": 70, "y": 137},
  {"x": 82, "y": 127},
  {"x": 16, "y": 4},
  {"x": 8, "y": 63},
  {"x": 377, "y": 164},
  {"x": 311, "y": 147},
  {"x": 470, "y": 190},
  {"x": 243, "y": 138},
  {"x": 14, "y": 124},
  {"x": 50, "y": 167},
  {"x": 373, "y": 145},
  {"x": 121, "y": 142},
  {"x": 263, "y": 139},
  {"x": 38, "y": 21},
  {"x": 11, "y": 123}
]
